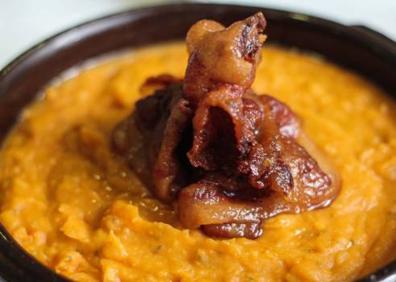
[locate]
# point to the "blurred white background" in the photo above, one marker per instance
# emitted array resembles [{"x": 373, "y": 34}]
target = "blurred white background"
[{"x": 27, "y": 22}]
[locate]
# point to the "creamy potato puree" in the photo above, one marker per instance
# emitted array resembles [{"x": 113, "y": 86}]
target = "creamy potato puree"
[{"x": 77, "y": 207}]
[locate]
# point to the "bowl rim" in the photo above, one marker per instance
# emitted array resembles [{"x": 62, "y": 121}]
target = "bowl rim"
[
  {"x": 369, "y": 33},
  {"x": 366, "y": 36}
]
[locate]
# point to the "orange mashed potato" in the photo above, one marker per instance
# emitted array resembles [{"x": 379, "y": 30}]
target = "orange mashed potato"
[{"x": 78, "y": 209}]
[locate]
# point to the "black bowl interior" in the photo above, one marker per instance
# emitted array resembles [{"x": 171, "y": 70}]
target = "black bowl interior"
[{"x": 357, "y": 48}]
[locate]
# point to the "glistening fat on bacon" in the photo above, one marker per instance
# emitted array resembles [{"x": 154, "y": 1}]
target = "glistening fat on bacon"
[{"x": 227, "y": 157}]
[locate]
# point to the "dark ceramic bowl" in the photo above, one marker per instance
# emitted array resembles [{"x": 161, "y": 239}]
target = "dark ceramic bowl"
[{"x": 355, "y": 47}]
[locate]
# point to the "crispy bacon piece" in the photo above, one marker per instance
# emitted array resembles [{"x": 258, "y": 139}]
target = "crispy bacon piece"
[
  {"x": 250, "y": 230},
  {"x": 151, "y": 138},
  {"x": 221, "y": 55},
  {"x": 228, "y": 157}
]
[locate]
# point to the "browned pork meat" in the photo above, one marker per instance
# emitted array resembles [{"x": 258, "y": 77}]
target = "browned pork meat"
[{"x": 227, "y": 157}]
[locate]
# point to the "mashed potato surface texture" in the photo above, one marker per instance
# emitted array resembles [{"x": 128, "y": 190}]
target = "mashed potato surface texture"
[{"x": 75, "y": 206}]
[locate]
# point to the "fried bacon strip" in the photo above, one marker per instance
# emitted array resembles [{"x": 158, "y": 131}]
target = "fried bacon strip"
[
  {"x": 151, "y": 138},
  {"x": 228, "y": 157},
  {"x": 221, "y": 55}
]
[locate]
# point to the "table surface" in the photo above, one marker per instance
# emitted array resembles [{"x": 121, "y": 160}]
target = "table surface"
[{"x": 24, "y": 23}]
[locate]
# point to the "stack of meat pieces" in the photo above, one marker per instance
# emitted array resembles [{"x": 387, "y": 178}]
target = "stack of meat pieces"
[{"x": 226, "y": 157}]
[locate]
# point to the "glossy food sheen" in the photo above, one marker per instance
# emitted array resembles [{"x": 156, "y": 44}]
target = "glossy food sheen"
[
  {"x": 69, "y": 201},
  {"x": 225, "y": 157}
]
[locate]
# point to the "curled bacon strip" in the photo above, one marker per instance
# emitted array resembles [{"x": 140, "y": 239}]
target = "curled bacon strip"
[
  {"x": 221, "y": 55},
  {"x": 229, "y": 158}
]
